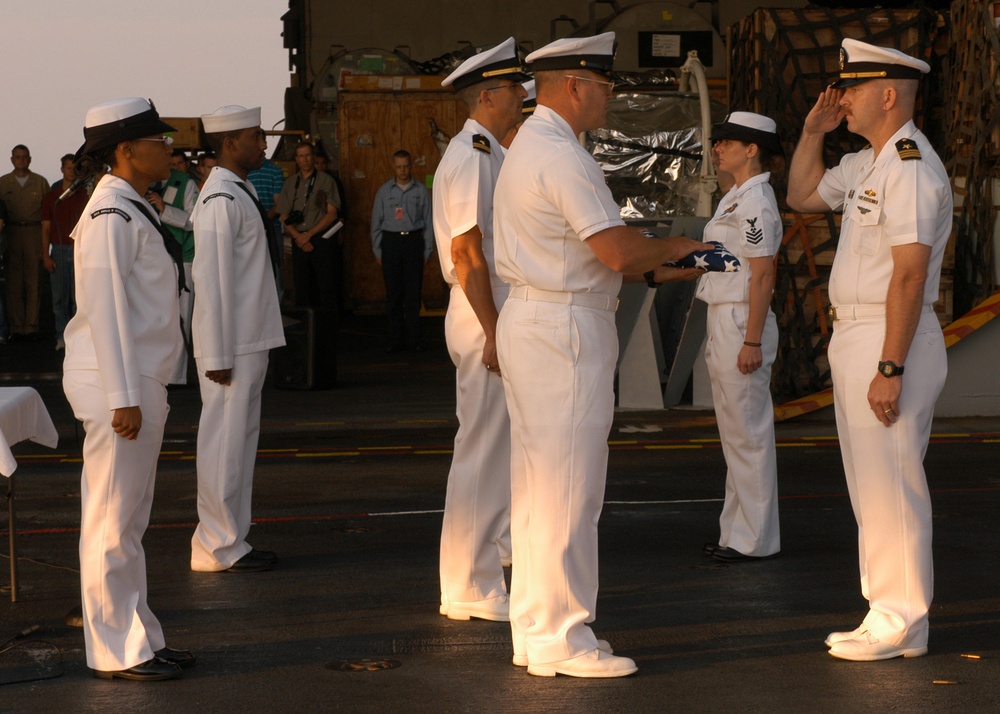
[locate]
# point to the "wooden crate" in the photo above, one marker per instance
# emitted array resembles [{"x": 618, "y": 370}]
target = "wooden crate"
[{"x": 371, "y": 127}]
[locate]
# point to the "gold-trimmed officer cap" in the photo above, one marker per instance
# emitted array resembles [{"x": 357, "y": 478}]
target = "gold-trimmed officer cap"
[
  {"x": 500, "y": 62},
  {"x": 596, "y": 54},
  {"x": 860, "y": 62}
]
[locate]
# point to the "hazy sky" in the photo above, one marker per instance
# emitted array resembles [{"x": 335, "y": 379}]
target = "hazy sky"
[{"x": 60, "y": 57}]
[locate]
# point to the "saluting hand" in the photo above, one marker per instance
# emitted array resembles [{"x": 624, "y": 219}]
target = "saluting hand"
[{"x": 826, "y": 114}]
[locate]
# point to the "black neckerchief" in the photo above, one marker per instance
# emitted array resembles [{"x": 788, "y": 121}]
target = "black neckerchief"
[
  {"x": 272, "y": 237},
  {"x": 174, "y": 248}
]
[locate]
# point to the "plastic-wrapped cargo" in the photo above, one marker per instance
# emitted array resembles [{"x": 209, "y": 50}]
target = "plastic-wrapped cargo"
[{"x": 650, "y": 151}]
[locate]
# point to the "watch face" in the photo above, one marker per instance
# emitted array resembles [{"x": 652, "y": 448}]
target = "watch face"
[{"x": 887, "y": 369}]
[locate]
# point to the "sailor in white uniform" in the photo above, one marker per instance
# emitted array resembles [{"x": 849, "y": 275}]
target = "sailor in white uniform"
[
  {"x": 562, "y": 246},
  {"x": 120, "y": 349},
  {"x": 477, "y": 504},
  {"x": 743, "y": 337},
  {"x": 236, "y": 321},
  {"x": 897, "y": 204}
]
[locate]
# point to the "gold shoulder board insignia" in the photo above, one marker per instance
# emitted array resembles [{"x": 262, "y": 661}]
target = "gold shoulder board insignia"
[
  {"x": 481, "y": 143},
  {"x": 907, "y": 150}
]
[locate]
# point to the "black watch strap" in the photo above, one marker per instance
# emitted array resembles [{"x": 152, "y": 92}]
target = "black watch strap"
[{"x": 650, "y": 276}]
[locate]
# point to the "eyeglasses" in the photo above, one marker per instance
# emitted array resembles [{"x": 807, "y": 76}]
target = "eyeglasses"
[
  {"x": 165, "y": 140},
  {"x": 610, "y": 84},
  {"x": 502, "y": 86}
]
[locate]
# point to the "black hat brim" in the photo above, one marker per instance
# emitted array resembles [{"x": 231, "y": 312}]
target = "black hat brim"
[
  {"x": 747, "y": 135},
  {"x": 147, "y": 123}
]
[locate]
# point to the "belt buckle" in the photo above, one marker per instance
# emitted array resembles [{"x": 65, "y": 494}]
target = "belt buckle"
[{"x": 832, "y": 313}]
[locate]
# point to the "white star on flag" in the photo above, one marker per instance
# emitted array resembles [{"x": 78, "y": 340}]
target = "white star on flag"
[{"x": 700, "y": 262}]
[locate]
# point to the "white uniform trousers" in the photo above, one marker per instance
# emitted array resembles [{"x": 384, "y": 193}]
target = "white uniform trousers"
[
  {"x": 477, "y": 504},
  {"x": 227, "y": 451},
  {"x": 558, "y": 365},
  {"x": 744, "y": 411},
  {"x": 186, "y": 300},
  {"x": 116, "y": 490},
  {"x": 885, "y": 473}
]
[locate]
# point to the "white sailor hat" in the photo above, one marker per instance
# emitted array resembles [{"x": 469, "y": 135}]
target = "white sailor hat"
[
  {"x": 231, "y": 117},
  {"x": 500, "y": 61},
  {"x": 749, "y": 128},
  {"x": 860, "y": 62},
  {"x": 531, "y": 101},
  {"x": 595, "y": 53},
  {"x": 112, "y": 122}
]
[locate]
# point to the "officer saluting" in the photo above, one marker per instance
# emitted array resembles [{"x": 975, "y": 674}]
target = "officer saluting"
[
  {"x": 120, "y": 350},
  {"x": 562, "y": 246},
  {"x": 897, "y": 205},
  {"x": 477, "y": 506}
]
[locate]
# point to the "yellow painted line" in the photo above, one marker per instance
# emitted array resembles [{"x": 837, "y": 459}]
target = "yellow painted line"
[
  {"x": 384, "y": 448},
  {"x": 662, "y": 447},
  {"x": 622, "y": 443},
  {"x": 705, "y": 441},
  {"x": 950, "y": 436},
  {"x": 192, "y": 457},
  {"x": 328, "y": 453},
  {"x": 276, "y": 451},
  {"x": 794, "y": 446},
  {"x": 991, "y": 441}
]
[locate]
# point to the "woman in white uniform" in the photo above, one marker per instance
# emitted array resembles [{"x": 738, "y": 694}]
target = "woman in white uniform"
[
  {"x": 743, "y": 337},
  {"x": 120, "y": 350}
]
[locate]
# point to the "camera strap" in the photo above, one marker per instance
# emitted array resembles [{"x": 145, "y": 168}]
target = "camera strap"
[{"x": 309, "y": 188}]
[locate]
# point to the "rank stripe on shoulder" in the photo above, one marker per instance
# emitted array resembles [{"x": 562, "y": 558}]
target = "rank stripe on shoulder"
[
  {"x": 907, "y": 150},
  {"x": 481, "y": 143},
  {"x": 116, "y": 211},
  {"x": 216, "y": 195}
]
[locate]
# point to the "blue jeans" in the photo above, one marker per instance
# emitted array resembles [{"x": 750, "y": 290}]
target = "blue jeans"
[{"x": 63, "y": 287}]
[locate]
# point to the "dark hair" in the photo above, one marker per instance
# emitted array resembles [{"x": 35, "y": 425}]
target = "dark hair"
[
  {"x": 217, "y": 139},
  {"x": 22, "y": 147},
  {"x": 67, "y": 157},
  {"x": 179, "y": 152},
  {"x": 402, "y": 154},
  {"x": 96, "y": 162}
]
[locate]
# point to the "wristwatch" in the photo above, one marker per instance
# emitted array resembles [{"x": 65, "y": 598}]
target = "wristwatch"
[
  {"x": 650, "y": 276},
  {"x": 890, "y": 369}
]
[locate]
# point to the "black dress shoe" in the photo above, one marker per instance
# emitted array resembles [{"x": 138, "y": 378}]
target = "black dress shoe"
[
  {"x": 251, "y": 563},
  {"x": 182, "y": 658},
  {"x": 709, "y": 548},
  {"x": 152, "y": 670},
  {"x": 728, "y": 555},
  {"x": 264, "y": 554}
]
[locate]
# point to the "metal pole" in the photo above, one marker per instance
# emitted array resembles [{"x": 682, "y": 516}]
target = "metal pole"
[{"x": 12, "y": 534}]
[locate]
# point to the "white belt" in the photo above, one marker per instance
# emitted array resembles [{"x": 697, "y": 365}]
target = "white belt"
[
  {"x": 859, "y": 312},
  {"x": 594, "y": 300}
]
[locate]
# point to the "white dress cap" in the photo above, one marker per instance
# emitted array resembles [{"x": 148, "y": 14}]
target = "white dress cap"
[
  {"x": 231, "y": 117},
  {"x": 499, "y": 61},
  {"x": 118, "y": 120},
  {"x": 595, "y": 53},
  {"x": 860, "y": 62}
]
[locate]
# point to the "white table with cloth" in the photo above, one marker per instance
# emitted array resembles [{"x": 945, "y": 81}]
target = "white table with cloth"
[{"x": 23, "y": 417}]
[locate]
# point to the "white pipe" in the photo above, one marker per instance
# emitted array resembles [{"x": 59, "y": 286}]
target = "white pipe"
[{"x": 693, "y": 66}]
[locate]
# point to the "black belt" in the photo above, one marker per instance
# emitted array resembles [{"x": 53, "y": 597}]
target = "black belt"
[
  {"x": 405, "y": 233},
  {"x": 23, "y": 224}
]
